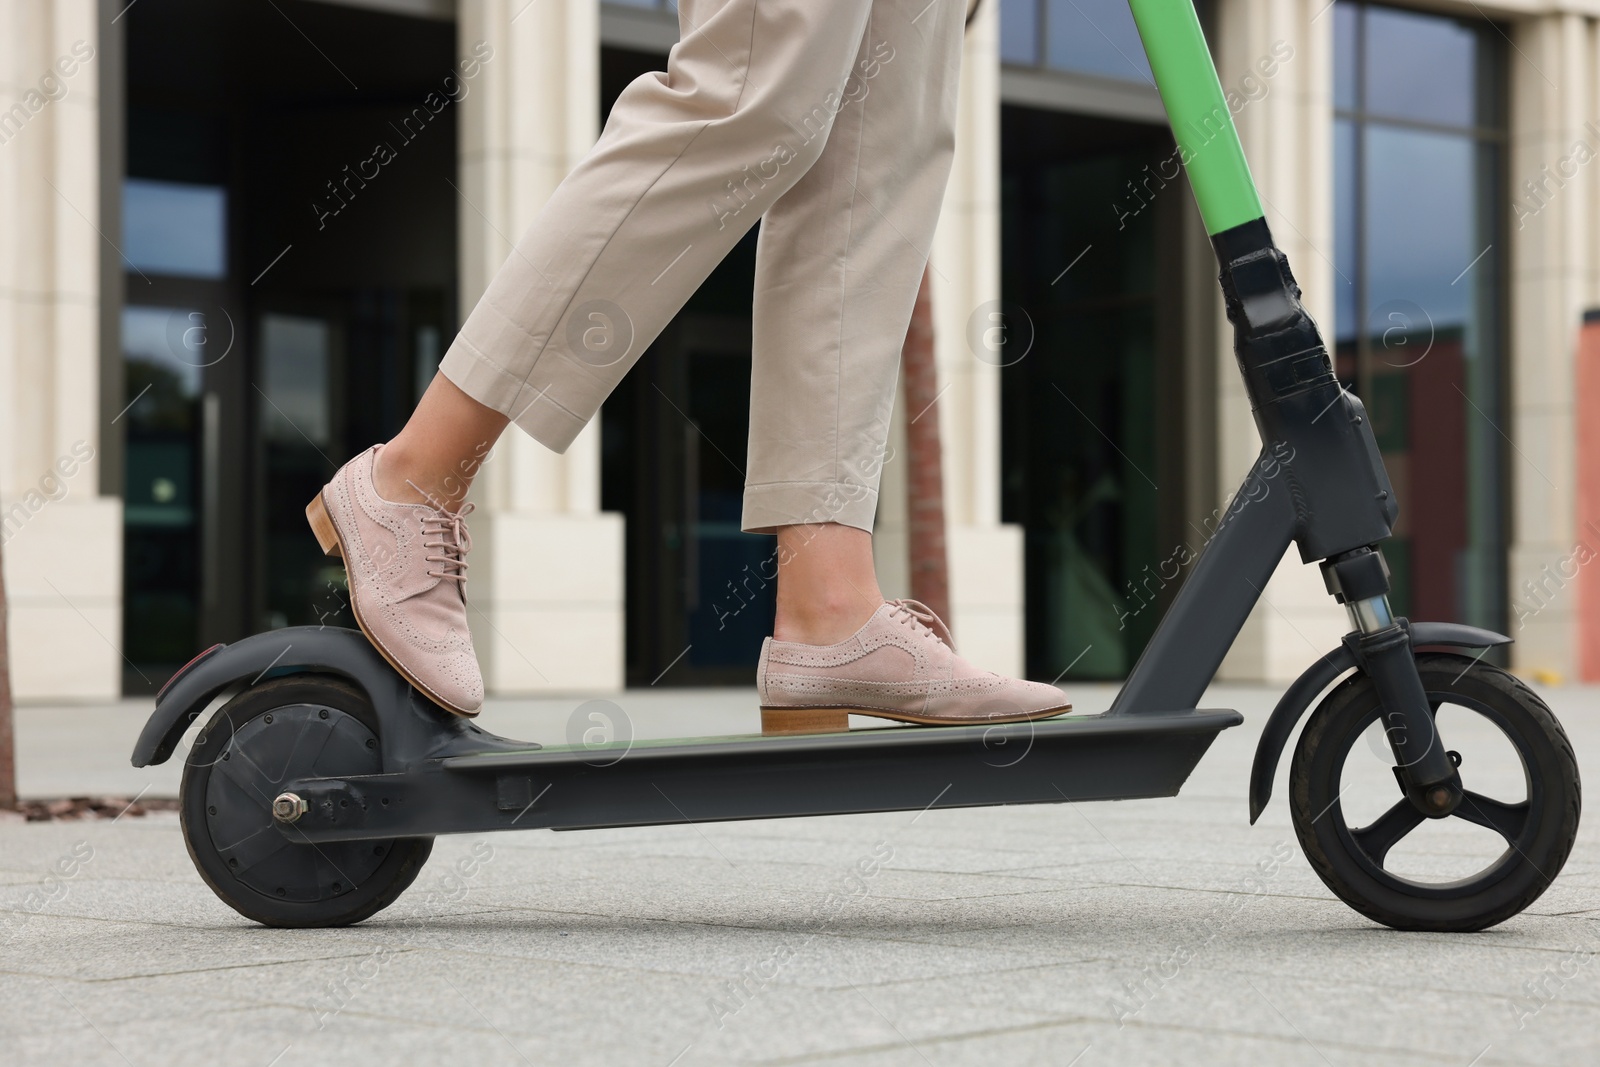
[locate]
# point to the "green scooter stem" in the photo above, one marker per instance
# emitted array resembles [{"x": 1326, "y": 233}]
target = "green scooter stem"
[
  {"x": 1208, "y": 143},
  {"x": 1336, "y": 467}
]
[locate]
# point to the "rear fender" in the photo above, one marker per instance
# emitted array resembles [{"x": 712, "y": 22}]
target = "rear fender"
[{"x": 410, "y": 723}]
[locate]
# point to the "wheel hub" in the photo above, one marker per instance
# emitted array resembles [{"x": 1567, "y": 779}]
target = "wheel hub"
[
  {"x": 288, "y": 807},
  {"x": 247, "y": 807}
]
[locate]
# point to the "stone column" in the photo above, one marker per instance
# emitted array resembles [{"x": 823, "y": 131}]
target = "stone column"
[
  {"x": 891, "y": 527},
  {"x": 62, "y": 541},
  {"x": 548, "y": 568},
  {"x": 1288, "y": 140},
  {"x": 1554, "y": 255},
  {"x": 986, "y": 575}
]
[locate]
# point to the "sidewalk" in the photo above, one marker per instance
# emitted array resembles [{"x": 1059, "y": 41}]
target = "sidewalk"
[{"x": 1159, "y": 932}]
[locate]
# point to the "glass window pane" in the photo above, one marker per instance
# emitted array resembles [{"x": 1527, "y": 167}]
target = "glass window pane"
[
  {"x": 168, "y": 347},
  {"x": 162, "y": 358},
  {"x": 1344, "y": 242},
  {"x": 1433, "y": 386},
  {"x": 1416, "y": 211},
  {"x": 1346, "y": 21},
  {"x": 1095, "y": 37},
  {"x": 1421, "y": 223},
  {"x": 174, "y": 228},
  {"x": 1420, "y": 67},
  {"x": 1019, "y": 31},
  {"x": 295, "y": 406}
]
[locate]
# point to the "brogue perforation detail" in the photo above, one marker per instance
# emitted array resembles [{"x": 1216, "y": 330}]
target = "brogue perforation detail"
[
  {"x": 415, "y": 616},
  {"x": 935, "y": 683}
]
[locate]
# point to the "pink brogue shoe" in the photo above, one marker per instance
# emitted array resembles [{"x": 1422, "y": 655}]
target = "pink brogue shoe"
[
  {"x": 407, "y": 581},
  {"x": 901, "y": 665}
]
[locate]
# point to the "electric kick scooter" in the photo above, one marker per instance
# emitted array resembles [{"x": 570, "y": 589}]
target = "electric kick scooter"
[{"x": 312, "y": 797}]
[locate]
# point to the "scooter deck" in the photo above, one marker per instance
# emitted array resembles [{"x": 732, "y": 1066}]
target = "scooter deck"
[{"x": 646, "y": 783}]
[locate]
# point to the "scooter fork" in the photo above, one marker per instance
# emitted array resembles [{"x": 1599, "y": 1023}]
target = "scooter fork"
[{"x": 1381, "y": 643}]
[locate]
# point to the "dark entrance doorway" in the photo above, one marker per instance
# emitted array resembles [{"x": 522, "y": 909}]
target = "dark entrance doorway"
[
  {"x": 1092, "y": 430},
  {"x": 700, "y": 594},
  {"x": 290, "y": 288}
]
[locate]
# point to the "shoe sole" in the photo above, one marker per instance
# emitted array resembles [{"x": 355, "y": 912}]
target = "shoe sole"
[
  {"x": 327, "y": 535},
  {"x": 836, "y": 720}
]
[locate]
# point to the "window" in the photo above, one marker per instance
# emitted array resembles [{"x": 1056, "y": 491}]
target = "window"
[
  {"x": 175, "y": 331},
  {"x": 175, "y": 228},
  {"x": 1419, "y": 317},
  {"x": 1095, "y": 37},
  {"x": 293, "y": 358},
  {"x": 164, "y": 356}
]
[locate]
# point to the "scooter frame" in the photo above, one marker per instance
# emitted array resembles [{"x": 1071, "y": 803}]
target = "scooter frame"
[{"x": 1319, "y": 483}]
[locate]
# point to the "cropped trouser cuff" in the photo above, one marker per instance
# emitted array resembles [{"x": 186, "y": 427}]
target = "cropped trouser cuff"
[
  {"x": 531, "y": 409},
  {"x": 773, "y": 504}
]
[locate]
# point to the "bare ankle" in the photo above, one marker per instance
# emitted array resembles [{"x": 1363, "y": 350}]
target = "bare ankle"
[
  {"x": 393, "y": 478},
  {"x": 822, "y": 624}
]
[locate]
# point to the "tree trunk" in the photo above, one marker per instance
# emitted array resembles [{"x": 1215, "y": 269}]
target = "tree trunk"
[
  {"x": 930, "y": 568},
  {"x": 8, "y": 751}
]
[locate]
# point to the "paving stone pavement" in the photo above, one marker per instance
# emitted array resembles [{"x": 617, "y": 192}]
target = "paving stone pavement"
[{"x": 1159, "y": 931}]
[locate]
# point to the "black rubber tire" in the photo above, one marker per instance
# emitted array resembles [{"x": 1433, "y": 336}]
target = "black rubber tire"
[
  {"x": 379, "y": 883},
  {"x": 1492, "y": 895}
]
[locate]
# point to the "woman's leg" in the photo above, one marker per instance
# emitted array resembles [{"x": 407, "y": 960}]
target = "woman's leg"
[
  {"x": 688, "y": 161},
  {"x": 436, "y": 455},
  {"x": 827, "y": 586},
  {"x": 686, "y": 165},
  {"x": 838, "y": 267}
]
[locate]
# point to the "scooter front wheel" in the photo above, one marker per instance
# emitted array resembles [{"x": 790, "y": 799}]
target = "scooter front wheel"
[
  {"x": 1481, "y": 865},
  {"x": 291, "y": 727}
]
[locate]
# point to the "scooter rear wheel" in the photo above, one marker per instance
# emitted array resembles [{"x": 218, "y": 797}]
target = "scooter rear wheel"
[
  {"x": 1535, "y": 833},
  {"x": 287, "y": 728}
]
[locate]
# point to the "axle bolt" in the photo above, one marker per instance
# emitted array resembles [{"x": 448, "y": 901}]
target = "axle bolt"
[{"x": 288, "y": 807}]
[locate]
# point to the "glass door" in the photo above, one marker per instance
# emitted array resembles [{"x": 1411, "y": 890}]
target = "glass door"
[
  {"x": 163, "y": 489},
  {"x": 701, "y": 593},
  {"x": 1089, "y": 379},
  {"x": 333, "y": 373},
  {"x": 298, "y": 437},
  {"x": 266, "y": 340},
  {"x": 181, "y": 360}
]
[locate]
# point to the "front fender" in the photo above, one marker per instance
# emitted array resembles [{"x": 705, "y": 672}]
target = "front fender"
[
  {"x": 1323, "y": 673},
  {"x": 303, "y": 648}
]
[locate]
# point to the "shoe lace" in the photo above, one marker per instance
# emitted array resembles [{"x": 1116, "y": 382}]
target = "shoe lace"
[
  {"x": 921, "y": 619},
  {"x": 449, "y": 530}
]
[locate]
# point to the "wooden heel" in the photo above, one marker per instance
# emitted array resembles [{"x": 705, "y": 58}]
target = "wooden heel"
[
  {"x": 322, "y": 526},
  {"x": 775, "y": 721}
]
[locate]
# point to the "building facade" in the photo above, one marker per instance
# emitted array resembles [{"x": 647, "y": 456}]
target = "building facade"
[{"x": 236, "y": 239}]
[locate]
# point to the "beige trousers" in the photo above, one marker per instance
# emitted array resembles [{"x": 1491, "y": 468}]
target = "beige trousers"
[{"x": 831, "y": 120}]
